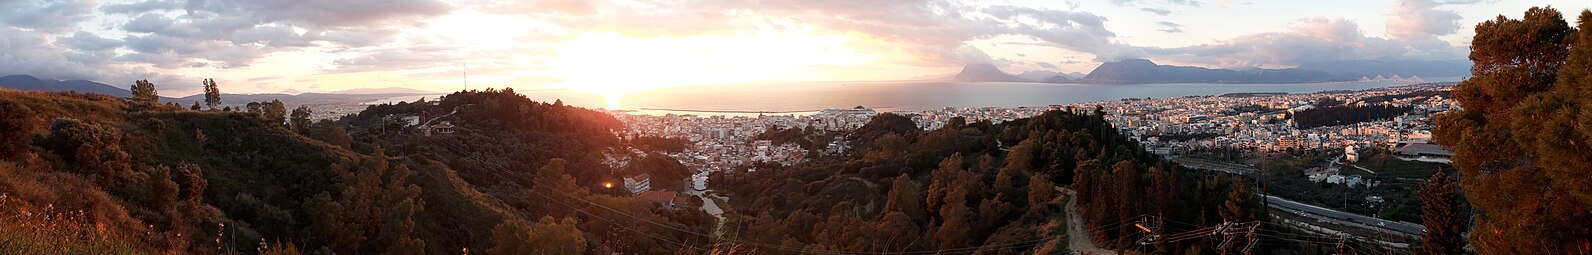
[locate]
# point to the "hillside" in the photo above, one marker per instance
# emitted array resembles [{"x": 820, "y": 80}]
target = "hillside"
[
  {"x": 975, "y": 186},
  {"x": 985, "y": 73},
  {"x": 1406, "y": 68},
  {"x": 159, "y": 179},
  {"x": 30, "y": 83},
  {"x": 1138, "y": 71}
]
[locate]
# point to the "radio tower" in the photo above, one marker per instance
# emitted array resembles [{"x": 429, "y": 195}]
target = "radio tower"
[{"x": 466, "y": 76}]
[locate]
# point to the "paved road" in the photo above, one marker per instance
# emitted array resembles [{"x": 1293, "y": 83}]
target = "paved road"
[{"x": 1409, "y": 228}]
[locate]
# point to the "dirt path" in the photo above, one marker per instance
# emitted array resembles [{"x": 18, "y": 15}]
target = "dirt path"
[{"x": 1077, "y": 239}]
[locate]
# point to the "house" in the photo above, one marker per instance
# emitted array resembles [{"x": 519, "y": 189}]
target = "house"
[
  {"x": 668, "y": 199},
  {"x": 445, "y": 127},
  {"x": 1349, "y": 155},
  {"x": 638, "y": 184},
  {"x": 1424, "y": 152}
]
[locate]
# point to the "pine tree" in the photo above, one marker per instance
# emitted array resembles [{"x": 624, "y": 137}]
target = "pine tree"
[
  {"x": 1439, "y": 213},
  {"x": 1040, "y": 190},
  {"x": 940, "y": 179},
  {"x": 1240, "y": 204},
  {"x": 903, "y": 197},
  {"x": 956, "y": 217},
  {"x": 144, "y": 92},
  {"x": 1521, "y": 140}
]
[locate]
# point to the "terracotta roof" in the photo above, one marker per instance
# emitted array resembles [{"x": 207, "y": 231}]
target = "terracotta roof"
[
  {"x": 658, "y": 196},
  {"x": 641, "y": 177}
]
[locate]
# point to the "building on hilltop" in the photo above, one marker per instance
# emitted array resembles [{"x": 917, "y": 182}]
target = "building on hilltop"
[
  {"x": 445, "y": 127},
  {"x": 638, "y": 184}
]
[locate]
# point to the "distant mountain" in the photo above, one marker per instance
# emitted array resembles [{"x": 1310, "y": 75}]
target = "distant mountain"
[
  {"x": 1405, "y": 68},
  {"x": 1136, "y": 71},
  {"x": 1058, "y": 79},
  {"x": 1048, "y": 76},
  {"x": 390, "y": 90},
  {"x": 25, "y": 82},
  {"x": 1038, "y": 75},
  {"x": 933, "y": 77},
  {"x": 985, "y": 73}
]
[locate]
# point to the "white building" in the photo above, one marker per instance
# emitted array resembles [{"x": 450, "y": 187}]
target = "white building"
[{"x": 638, "y": 184}]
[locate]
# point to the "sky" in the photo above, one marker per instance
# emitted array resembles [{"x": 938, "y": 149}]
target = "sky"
[{"x": 632, "y": 46}]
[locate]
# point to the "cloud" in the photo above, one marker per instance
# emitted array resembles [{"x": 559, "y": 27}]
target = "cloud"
[
  {"x": 1194, "y": 3},
  {"x": 1419, "y": 19},
  {"x": 1170, "y": 27},
  {"x": 1156, "y": 11},
  {"x": 931, "y": 30},
  {"x": 44, "y": 38},
  {"x": 1308, "y": 40},
  {"x": 47, "y": 16}
]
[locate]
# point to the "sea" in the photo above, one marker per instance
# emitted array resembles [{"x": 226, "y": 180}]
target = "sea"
[{"x": 800, "y": 98}]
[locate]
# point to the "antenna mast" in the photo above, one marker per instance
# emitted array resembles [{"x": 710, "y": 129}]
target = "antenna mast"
[{"x": 466, "y": 76}]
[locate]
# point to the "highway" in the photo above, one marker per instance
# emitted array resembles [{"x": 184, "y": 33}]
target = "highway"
[{"x": 1409, "y": 228}]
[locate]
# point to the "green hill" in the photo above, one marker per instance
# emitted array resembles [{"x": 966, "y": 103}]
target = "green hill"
[{"x": 160, "y": 179}]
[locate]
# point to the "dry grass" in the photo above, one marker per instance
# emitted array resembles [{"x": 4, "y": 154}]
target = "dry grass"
[{"x": 31, "y": 229}]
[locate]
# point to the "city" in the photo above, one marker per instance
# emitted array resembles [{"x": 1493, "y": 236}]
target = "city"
[{"x": 1105, "y": 127}]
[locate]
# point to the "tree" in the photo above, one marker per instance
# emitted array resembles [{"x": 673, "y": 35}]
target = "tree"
[
  {"x": 212, "y": 94},
  {"x": 515, "y": 236},
  {"x": 195, "y": 106},
  {"x": 941, "y": 178},
  {"x": 1520, "y": 142},
  {"x": 956, "y": 219},
  {"x": 1240, "y": 204},
  {"x": 1040, "y": 190},
  {"x": 144, "y": 92},
  {"x": 16, "y": 128},
  {"x": 553, "y": 178},
  {"x": 903, "y": 197},
  {"x": 300, "y": 119},
  {"x": 339, "y": 137},
  {"x": 1439, "y": 213},
  {"x": 192, "y": 183},
  {"x": 275, "y": 111},
  {"x": 162, "y": 191}
]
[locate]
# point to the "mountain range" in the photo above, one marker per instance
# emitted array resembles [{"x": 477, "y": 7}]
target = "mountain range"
[
  {"x": 1139, "y": 71},
  {"x": 985, "y": 73},
  {"x": 290, "y": 97},
  {"x": 1133, "y": 71},
  {"x": 30, "y": 83}
]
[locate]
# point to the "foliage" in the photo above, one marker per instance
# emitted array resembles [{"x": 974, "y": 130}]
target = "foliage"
[
  {"x": 547, "y": 236},
  {"x": 300, "y": 120},
  {"x": 994, "y": 197},
  {"x": 1345, "y": 115},
  {"x": 1440, "y": 215},
  {"x": 1521, "y": 141},
  {"x": 144, "y": 92},
  {"x": 212, "y": 93}
]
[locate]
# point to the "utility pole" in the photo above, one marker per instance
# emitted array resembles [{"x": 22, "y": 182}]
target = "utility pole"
[
  {"x": 1340, "y": 244},
  {"x": 1151, "y": 225}
]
